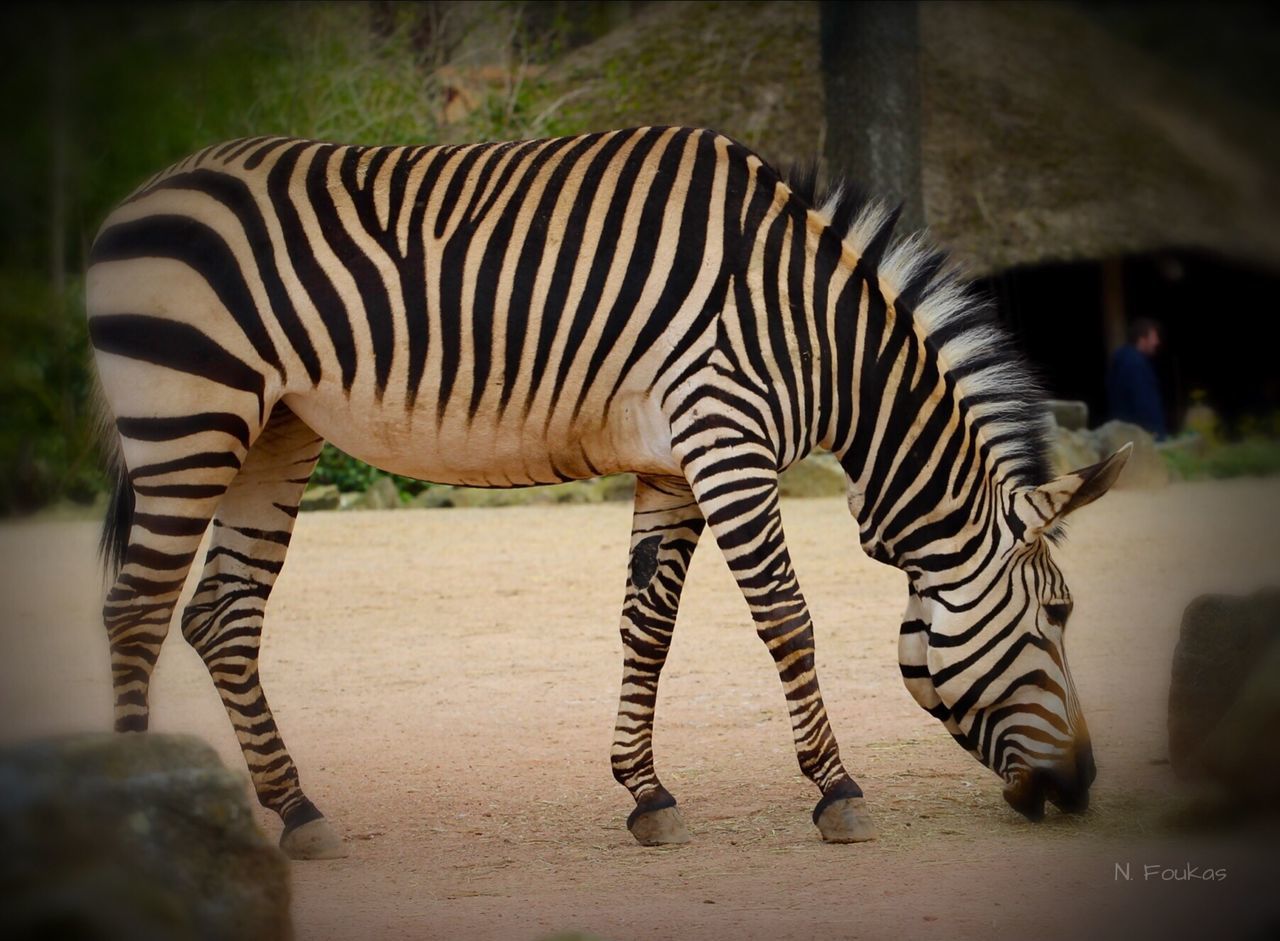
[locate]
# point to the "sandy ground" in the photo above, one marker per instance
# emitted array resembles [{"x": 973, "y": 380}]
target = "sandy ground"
[{"x": 446, "y": 680}]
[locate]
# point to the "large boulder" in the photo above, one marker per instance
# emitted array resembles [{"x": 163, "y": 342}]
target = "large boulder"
[
  {"x": 1069, "y": 413},
  {"x": 1071, "y": 450},
  {"x": 1240, "y": 753},
  {"x": 382, "y": 494},
  {"x": 1145, "y": 468},
  {"x": 133, "y": 836},
  {"x": 1224, "y": 698}
]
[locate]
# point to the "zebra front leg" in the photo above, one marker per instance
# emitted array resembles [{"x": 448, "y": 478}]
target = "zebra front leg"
[
  {"x": 664, "y": 534},
  {"x": 223, "y": 620},
  {"x": 744, "y": 512}
]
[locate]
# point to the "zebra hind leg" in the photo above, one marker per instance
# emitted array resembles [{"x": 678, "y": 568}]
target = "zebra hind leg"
[
  {"x": 223, "y": 620},
  {"x": 744, "y": 511},
  {"x": 664, "y": 534},
  {"x": 162, "y": 508}
]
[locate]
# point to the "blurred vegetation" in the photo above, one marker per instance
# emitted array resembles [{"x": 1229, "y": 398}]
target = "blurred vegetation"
[
  {"x": 349, "y": 475},
  {"x": 1254, "y": 456},
  {"x": 99, "y": 97}
]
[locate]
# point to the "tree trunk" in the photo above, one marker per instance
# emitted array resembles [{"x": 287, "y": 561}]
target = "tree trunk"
[
  {"x": 871, "y": 79},
  {"x": 60, "y": 80}
]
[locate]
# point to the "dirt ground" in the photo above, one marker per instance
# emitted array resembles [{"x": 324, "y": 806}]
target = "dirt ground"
[{"x": 447, "y": 680}]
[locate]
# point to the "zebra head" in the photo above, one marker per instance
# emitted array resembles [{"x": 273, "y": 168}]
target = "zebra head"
[{"x": 982, "y": 645}]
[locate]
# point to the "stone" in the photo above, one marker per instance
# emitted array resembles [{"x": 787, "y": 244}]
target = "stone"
[
  {"x": 1071, "y": 450},
  {"x": 1240, "y": 752},
  {"x": 1146, "y": 468},
  {"x": 1069, "y": 413},
  {"x": 133, "y": 836},
  {"x": 382, "y": 494},
  {"x": 818, "y": 475},
  {"x": 1224, "y": 696},
  {"x": 435, "y": 496},
  {"x": 321, "y": 497}
]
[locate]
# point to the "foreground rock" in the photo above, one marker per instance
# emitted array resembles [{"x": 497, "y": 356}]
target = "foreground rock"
[
  {"x": 133, "y": 836},
  {"x": 1224, "y": 699}
]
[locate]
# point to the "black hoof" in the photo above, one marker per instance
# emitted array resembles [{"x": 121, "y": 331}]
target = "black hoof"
[
  {"x": 846, "y": 821},
  {"x": 656, "y": 822},
  {"x": 842, "y": 816}
]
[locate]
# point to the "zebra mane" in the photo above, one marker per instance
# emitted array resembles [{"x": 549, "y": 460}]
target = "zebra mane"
[{"x": 1004, "y": 398}]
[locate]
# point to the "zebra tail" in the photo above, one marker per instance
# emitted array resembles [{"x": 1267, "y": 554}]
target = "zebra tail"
[{"x": 118, "y": 521}]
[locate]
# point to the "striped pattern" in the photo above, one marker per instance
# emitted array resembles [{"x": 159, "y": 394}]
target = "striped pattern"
[{"x": 655, "y": 300}]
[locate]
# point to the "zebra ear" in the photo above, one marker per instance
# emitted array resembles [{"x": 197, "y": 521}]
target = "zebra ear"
[{"x": 1037, "y": 509}]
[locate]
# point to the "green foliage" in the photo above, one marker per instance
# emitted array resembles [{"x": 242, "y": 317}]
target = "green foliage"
[
  {"x": 99, "y": 97},
  {"x": 46, "y": 436},
  {"x": 341, "y": 81},
  {"x": 1250, "y": 457},
  {"x": 354, "y": 476}
]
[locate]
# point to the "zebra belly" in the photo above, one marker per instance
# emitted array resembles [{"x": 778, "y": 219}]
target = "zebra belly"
[{"x": 487, "y": 450}]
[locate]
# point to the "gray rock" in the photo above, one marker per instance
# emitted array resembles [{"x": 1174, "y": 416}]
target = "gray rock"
[
  {"x": 437, "y": 495},
  {"x": 133, "y": 836},
  {"x": 1224, "y": 698},
  {"x": 1069, "y": 414},
  {"x": 321, "y": 497},
  {"x": 1145, "y": 468},
  {"x": 1240, "y": 753},
  {"x": 381, "y": 495},
  {"x": 1071, "y": 450}
]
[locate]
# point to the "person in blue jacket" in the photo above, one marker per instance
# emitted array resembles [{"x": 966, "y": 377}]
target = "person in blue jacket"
[{"x": 1132, "y": 387}]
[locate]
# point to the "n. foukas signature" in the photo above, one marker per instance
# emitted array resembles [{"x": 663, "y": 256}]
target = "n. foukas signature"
[{"x": 1161, "y": 872}]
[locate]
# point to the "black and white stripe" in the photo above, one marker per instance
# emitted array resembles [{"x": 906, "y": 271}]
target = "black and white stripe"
[{"x": 655, "y": 300}]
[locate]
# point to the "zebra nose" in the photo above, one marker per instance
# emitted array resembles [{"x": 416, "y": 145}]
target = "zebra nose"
[
  {"x": 1069, "y": 786},
  {"x": 1086, "y": 770}
]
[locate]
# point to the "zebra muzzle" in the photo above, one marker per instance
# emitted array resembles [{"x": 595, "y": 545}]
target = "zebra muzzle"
[
  {"x": 1026, "y": 794},
  {"x": 1067, "y": 788}
]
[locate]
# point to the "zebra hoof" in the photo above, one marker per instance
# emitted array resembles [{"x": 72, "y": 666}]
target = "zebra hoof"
[
  {"x": 662, "y": 827},
  {"x": 313, "y": 840},
  {"x": 846, "y": 821}
]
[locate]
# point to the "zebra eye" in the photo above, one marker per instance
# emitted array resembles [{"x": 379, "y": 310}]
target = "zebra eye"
[{"x": 1057, "y": 612}]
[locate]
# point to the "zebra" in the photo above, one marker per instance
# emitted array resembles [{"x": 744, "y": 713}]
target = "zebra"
[{"x": 657, "y": 300}]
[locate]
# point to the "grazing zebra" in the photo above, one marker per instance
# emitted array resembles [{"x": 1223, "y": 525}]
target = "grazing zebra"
[{"x": 655, "y": 300}]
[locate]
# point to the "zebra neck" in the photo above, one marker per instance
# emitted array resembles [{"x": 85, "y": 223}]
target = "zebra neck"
[{"x": 917, "y": 475}]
